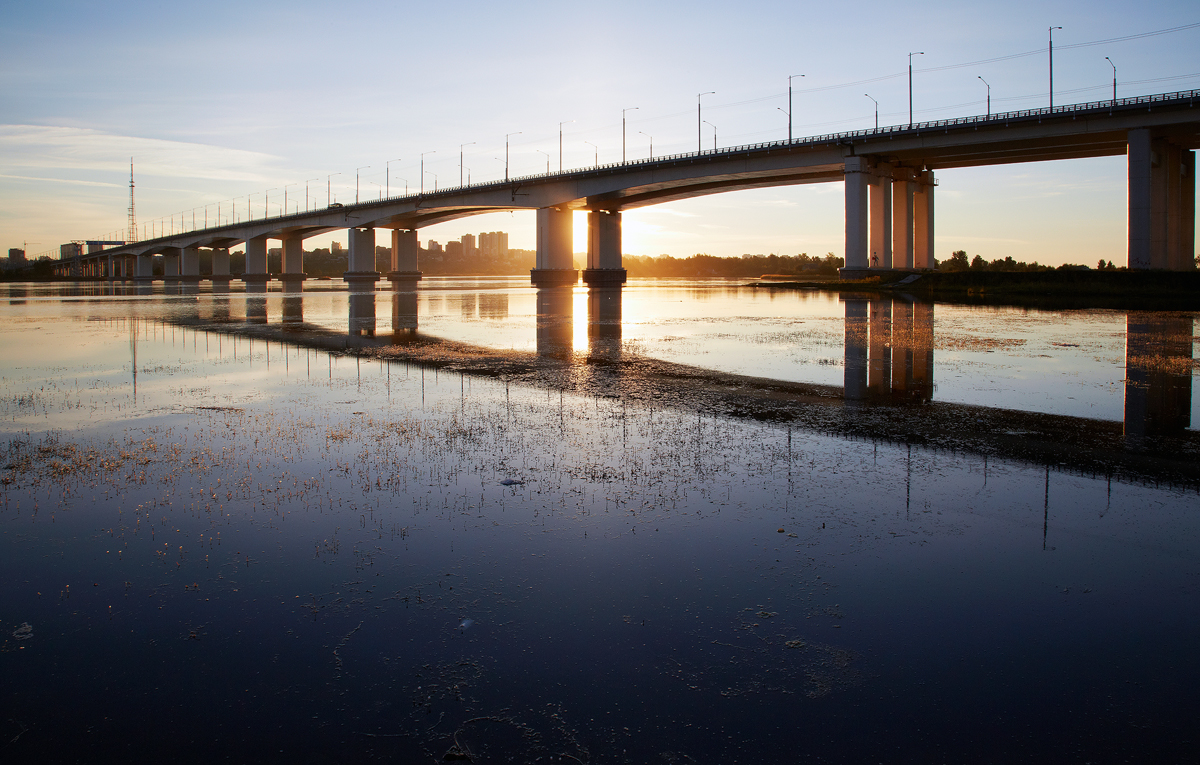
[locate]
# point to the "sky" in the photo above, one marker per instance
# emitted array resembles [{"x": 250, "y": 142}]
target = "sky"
[{"x": 248, "y": 100}]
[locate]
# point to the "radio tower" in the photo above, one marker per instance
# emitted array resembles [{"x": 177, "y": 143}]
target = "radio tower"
[{"x": 132, "y": 237}]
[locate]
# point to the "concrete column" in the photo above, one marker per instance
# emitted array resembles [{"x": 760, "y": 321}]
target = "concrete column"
[
  {"x": 879, "y": 358},
  {"x": 143, "y": 268},
  {"x": 1139, "y": 225},
  {"x": 220, "y": 264},
  {"x": 291, "y": 264},
  {"x": 190, "y": 265},
  {"x": 881, "y": 216},
  {"x": 857, "y": 173},
  {"x": 1171, "y": 160},
  {"x": 923, "y": 249},
  {"x": 405, "y": 250},
  {"x": 361, "y": 267},
  {"x": 604, "y": 249},
  {"x": 112, "y": 273},
  {"x": 171, "y": 257},
  {"x": 1159, "y": 203},
  {"x": 1186, "y": 256},
  {"x": 857, "y": 329},
  {"x": 555, "y": 262},
  {"x": 256, "y": 261},
  {"x": 902, "y": 220}
]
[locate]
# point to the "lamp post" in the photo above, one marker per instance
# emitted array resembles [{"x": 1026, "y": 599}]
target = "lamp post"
[
  {"x": 560, "y": 153},
  {"x": 630, "y": 109},
  {"x": 310, "y": 180},
  {"x": 868, "y": 95},
  {"x": 387, "y": 175},
  {"x": 1114, "y": 66},
  {"x": 434, "y": 180},
  {"x": 267, "y": 202},
  {"x": 423, "y": 168},
  {"x": 714, "y": 127},
  {"x": 376, "y": 185},
  {"x": 699, "y": 144},
  {"x": 910, "y": 112},
  {"x": 651, "y": 143},
  {"x": 285, "y": 188},
  {"x": 989, "y": 95},
  {"x": 1052, "y": 66},
  {"x": 506, "y": 137},
  {"x": 328, "y": 189},
  {"x": 460, "y": 160},
  {"x": 547, "y": 155},
  {"x": 364, "y": 167},
  {"x": 789, "y": 111},
  {"x": 597, "y": 148}
]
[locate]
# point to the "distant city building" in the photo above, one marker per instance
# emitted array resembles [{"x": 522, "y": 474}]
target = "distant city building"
[
  {"x": 70, "y": 250},
  {"x": 434, "y": 246},
  {"x": 16, "y": 257},
  {"x": 468, "y": 246},
  {"x": 493, "y": 244},
  {"x": 335, "y": 247},
  {"x": 454, "y": 249}
]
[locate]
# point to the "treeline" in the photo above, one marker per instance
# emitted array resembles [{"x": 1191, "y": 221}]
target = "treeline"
[
  {"x": 747, "y": 266},
  {"x": 960, "y": 261}
]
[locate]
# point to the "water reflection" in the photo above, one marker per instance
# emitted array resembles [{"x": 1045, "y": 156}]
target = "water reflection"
[
  {"x": 889, "y": 350},
  {"x": 1158, "y": 374},
  {"x": 256, "y": 302},
  {"x": 604, "y": 323},
  {"x": 555, "y": 320},
  {"x": 293, "y": 301},
  {"x": 404, "y": 309},
  {"x": 362, "y": 310}
]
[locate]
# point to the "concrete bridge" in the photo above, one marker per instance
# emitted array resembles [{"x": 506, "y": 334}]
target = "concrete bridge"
[{"x": 888, "y": 172}]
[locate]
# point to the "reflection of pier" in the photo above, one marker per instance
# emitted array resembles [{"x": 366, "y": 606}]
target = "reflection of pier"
[
  {"x": 1158, "y": 374},
  {"x": 889, "y": 350}
]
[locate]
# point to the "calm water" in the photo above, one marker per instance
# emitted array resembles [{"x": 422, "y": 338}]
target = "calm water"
[{"x": 281, "y": 527}]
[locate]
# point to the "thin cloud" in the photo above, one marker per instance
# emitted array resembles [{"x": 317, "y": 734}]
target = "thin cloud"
[{"x": 60, "y": 180}]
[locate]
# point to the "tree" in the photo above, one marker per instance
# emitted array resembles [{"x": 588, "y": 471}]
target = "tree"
[
  {"x": 977, "y": 263},
  {"x": 957, "y": 261}
]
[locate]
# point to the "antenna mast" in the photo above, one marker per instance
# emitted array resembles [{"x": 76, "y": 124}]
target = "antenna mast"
[{"x": 132, "y": 237}]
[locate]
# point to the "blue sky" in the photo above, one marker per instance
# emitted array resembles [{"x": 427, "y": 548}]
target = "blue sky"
[{"x": 225, "y": 100}]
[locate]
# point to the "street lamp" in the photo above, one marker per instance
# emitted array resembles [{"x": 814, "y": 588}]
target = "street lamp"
[
  {"x": 328, "y": 187},
  {"x": 651, "y": 143},
  {"x": 789, "y": 111},
  {"x": 376, "y": 185},
  {"x": 989, "y": 96},
  {"x": 310, "y": 180},
  {"x": 597, "y": 148},
  {"x": 1114, "y": 66},
  {"x": 434, "y": 180},
  {"x": 547, "y": 154},
  {"x": 506, "y": 137},
  {"x": 714, "y": 127},
  {"x": 387, "y": 175},
  {"x": 285, "y": 188},
  {"x": 560, "y": 143},
  {"x": 699, "y": 144},
  {"x": 267, "y": 202},
  {"x": 460, "y": 160},
  {"x": 868, "y": 95},
  {"x": 364, "y": 167},
  {"x": 630, "y": 109},
  {"x": 910, "y": 55},
  {"x": 423, "y": 168},
  {"x": 1052, "y": 66}
]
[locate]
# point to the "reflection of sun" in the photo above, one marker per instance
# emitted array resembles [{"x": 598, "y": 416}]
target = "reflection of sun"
[{"x": 579, "y": 333}]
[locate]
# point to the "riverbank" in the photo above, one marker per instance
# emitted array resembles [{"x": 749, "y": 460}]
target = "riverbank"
[{"x": 1148, "y": 290}]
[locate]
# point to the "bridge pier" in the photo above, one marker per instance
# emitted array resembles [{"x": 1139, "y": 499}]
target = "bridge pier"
[
  {"x": 143, "y": 268},
  {"x": 220, "y": 264},
  {"x": 1162, "y": 203},
  {"x": 256, "y": 261},
  {"x": 604, "y": 249},
  {"x": 555, "y": 262},
  {"x": 881, "y": 215},
  {"x": 361, "y": 266},
  {"x": 190, "y": 264},
  {"x": 857, "y": 172},
  {"x": 171, "y": 257},
  {"x": 923, "y": 250},
  {"x": 902, "y": 219},
  {"x": 291, "y": 266},
  {"x": 404, "y": 256}
]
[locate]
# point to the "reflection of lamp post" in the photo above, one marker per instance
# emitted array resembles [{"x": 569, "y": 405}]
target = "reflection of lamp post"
[
  {"x": 989, "y": 101},
  {"x": 547, "y": 155},
  {"x": 651, "y": 143},
  {"x": 364, "y": 167},
  {"x": 328, "y": 189},
  {"x": 910, "y": 55},
  {"x": 1052, "y": 66},
  {"x": 1114, "y": 66},
  {"x": 789, "y": 111},
  {"x": 868, "y": 95},
  {"x": 423, "y": 168},
  {"x": 630, "y": 109},
  {"x": 460, "y": 160},
  {"x": 699, "y": 144},
  {"x": 560, "y": 143},
  {"x": 714, "y": 127},
  {"x": 387, "y": 175},
  {"x": 597, "y": 148},
  {"x": 506, "y": 137}
]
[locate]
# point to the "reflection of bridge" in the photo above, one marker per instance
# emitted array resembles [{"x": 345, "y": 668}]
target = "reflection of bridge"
[{"x": 889, "y": 185}]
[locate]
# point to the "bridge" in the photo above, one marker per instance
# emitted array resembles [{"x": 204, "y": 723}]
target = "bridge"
[{"x": 888, "y": 172}]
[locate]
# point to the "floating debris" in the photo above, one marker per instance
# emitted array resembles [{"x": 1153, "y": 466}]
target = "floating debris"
[
  {"x": 465, "y": 624},
  {"x": 512, "y": 482},
  {"x": 24, "y": 632}
]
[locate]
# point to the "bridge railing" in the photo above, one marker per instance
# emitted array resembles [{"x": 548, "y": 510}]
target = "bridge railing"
[{"x": 807, "y": 141}]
